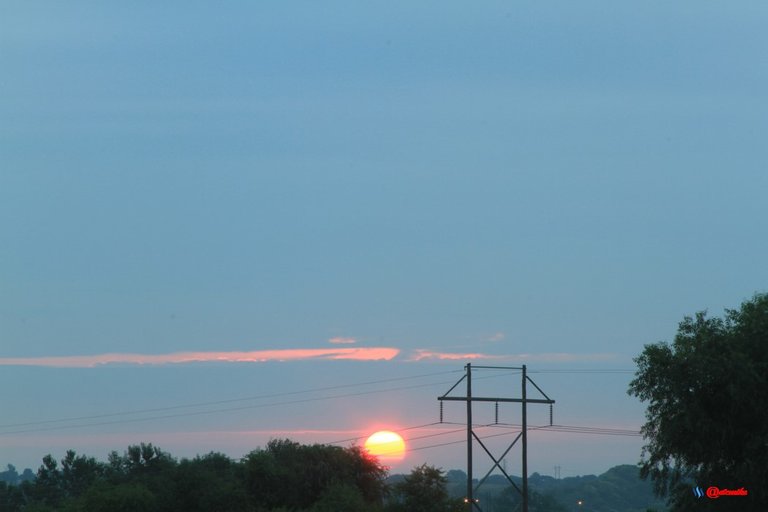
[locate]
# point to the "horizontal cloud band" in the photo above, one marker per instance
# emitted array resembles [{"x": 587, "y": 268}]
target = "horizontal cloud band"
[
  {"x": 545, "y": 357},
  {"x": 298, "y": 354},
  {"x": 257, "y": 356}
]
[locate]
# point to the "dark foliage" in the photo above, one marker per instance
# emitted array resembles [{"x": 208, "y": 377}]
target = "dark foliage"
[
  {"x": 146, "y": 479},
  {"x": 284, "y": 476},
  {"x": 296, "y": 476},
  {"x": 423, "y": 490},
  {"x": 707, "y": 416}
]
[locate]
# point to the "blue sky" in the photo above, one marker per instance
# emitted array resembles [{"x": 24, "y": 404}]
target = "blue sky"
[{"x": 553, "y": 184}]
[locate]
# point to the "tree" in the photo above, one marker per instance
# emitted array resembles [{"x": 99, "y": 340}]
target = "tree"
[
  {"x": 146, "y": 458},
  {"x": 149, "y": 466},
  {"x": 10, "y": 475},
  {"x": 11, "y": 497},
  {"x": 209, "y": 483},
  {"x": 423, "y": 490},
  {"x": 47, "y": 487},
  {"x": 288, "y": 474},
  {"x": 117, "y": 498},
  {"x": 78, "y": 473},
  {"x": 707, "y": 415},
  {"x": 341, "y": 498}
]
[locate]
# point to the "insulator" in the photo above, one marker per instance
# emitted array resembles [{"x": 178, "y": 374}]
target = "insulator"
[
  {"x": 550, "y": 415},
  {"x": 441, "y": 411},
  {"x": 497, "y": 413}
]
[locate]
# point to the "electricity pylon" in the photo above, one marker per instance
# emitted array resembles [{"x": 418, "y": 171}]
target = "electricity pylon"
[{"x": 523, "y": 435}]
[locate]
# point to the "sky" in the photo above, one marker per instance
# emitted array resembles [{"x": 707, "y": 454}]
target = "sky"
[{"x": 228, "y": 223}]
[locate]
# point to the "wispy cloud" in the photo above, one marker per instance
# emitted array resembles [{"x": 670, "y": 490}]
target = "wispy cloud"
[
  {"x": 544, "y": 357},
  {"x": 338, "y": 340},
  {"x": 422, "y": 355},
  {"x": 496, "y": 336},
  {"x": 257, "y": 356}
]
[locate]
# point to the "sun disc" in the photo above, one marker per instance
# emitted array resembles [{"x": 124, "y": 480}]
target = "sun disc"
[{"x": 386, "y": 445}]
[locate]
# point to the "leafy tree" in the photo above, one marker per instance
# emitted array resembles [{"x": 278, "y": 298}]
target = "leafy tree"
[
  {"x": 423, "y": 490},
  {"x": 209, "y": 483},
  {"x": 341, "y": 498},
  {"x": 287, "y": 474},
  {"x": 707, "y": 415},
  {"x": 48, "y": 489},
  {"x": 146, "y": 459},
  {"x": 117, "y": 498},
  {"x": 365, "y": 472},
  {"x": 78, "y": 473},
  {"x": 152, "y": 468},
  {"x": 11, "y": 497}
]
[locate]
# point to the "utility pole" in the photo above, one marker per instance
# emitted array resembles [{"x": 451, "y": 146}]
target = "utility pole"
[
  {"x": 470, "y": 500},
  {"x": 470, "y": 497},
  {"x": 525, "y": 444}
]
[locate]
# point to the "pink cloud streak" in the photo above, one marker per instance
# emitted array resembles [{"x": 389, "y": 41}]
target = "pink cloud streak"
[
  {"x": 257, "y": 356},
  {"x": 421, "y": 355},
  {"x": 544, "y": 357}
]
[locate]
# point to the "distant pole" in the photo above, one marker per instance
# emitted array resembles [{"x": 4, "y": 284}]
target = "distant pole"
[
  {"x": 470, "y": 501},
  {"x": 525, "y": 444}
]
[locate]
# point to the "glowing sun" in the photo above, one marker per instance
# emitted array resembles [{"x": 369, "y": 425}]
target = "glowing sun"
[{"x": 386, "y": 445}]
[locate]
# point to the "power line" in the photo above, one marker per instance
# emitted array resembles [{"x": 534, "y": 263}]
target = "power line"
[
  {"x": 288, "y": 393},
  {"x": 36, "y": 426},
  {"x": 228, "y": 409},
  {"x": 444, "y": 432},
  {"x": 606, "y": 431},
  {"x": 586, "y": 371},
  {"x": 225, "y": 401},
  {"x": 511, "y": 427},
  {"x": 214, "y": 411},
  {"x": 462, "y": 441},
  {"x": 425, "y": 436},
  {"x": 358, "y": 438}
]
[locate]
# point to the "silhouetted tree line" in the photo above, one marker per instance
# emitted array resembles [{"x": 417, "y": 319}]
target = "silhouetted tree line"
[{"x": 284, "y": 476}]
